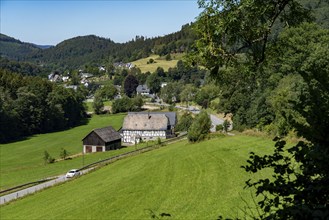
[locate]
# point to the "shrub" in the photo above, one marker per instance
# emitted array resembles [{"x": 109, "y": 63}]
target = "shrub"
[
  {"x": 185, "y": 122},
  {"x": 199, "y": 128},
  {"x": 63, "y": 154},
  {"x": 219, "y": 127},
  {"x": 47, "y": 158}
]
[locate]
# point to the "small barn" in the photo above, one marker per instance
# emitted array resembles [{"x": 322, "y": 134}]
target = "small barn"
[{"x": 102, "y": 139}]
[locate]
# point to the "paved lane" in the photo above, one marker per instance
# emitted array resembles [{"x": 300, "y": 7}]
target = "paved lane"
[{"x": 21, "y": 193}]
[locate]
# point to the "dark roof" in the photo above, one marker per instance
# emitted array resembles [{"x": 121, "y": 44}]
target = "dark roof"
[
  {"x": 107, "y": 134},
  {"x": 171, "y": 115}
]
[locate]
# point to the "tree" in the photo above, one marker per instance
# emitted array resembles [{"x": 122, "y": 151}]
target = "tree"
[
  {"x": 231, "y": 45},
  {"x": 301, "y": 172},
  {"x": 63, "y": 153},
  {"x": 130, "y": 84},
  {"x": 154, "y": 83},
  {"x": 47, "y": 158},
  {"x": 199, "y": 128},
  {"x": 188, "y": 93},
  {"x": 184, "y": 122},
  {"x": 98, "y": 104},
  {"x": 108, "y": 92},
  {"x": 136, "y": 103},
  {"x": 122, "y": 105},
  {"x": 170, "y": 92},
  {"x": 160, "y": 72},
  {"x": 168, "y": 57},
  {"x": 206, "y": 94}
]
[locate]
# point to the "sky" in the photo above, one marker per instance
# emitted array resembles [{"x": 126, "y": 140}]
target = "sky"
[{"x": 49, "y": 22}]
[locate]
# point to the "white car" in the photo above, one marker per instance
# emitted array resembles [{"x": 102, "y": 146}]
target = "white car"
[{"x": 72, "y": 173}]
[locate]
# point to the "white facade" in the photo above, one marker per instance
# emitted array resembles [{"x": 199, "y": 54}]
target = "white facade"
[
  {"x": 136, "y": 136},
  {"x": 93, "y": 149}
]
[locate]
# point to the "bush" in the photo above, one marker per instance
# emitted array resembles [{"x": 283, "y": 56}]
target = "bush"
[
  {"x": 47, "y": 158},
  {"x": 199, "y": 128},
  {"x": 185, "y": 122},
  {"x": 63, "y": 154},
  {"x": 219, "y": 127}
]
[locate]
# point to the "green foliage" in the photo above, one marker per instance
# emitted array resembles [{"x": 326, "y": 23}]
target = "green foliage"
[
  {"x": 126, "y": 104},
  {"x": 63, "y": 154},
  {"x": 37, "y": 106},
  {"x": 200, "y": 127},
  {"x": 15, "y": 49},
  {"x": 47, "y": 158},
  {"x": 159, "y": 142},
  {"x": 98, "y": 104},
  {"x": 23, "y": 68},
  {"x": 91, "y": 50},
  {"x": 170, "y": 92},
  {"x": 150, "y": 61},
  {"x": 226, "y": 125},
  {"x": 168, "y": 57},
  {"x": 129, "y": 85},
  {"x": 206, "y": 94},
  {"x": 219, "y": 127},
  {"x": 274, "y": 82},
  {"x": 153, "y": 82},
  {"x": 185, "y": 122},
  {"x": 188, "y": 93}
]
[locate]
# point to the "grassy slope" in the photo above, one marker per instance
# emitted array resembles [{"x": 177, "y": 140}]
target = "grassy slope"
[
  {"x": 159, "y": 62},
  {"x": 22, "y": 161},
  {"x": 189, "y": 181}
]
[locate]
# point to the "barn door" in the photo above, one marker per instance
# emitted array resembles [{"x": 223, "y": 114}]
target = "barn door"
[{"x": 89, "y": 149}]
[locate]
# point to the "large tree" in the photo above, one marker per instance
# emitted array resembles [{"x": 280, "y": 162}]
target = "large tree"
[
  {"x": 257, "y": 72},
  {"x": 130, "y": 84}
]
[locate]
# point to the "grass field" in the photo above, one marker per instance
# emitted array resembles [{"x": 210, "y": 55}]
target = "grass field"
[
  {"x": 22, "y": 161},
  {"x": 159, "y": 62},
  {"x": 187, "y": 181}
]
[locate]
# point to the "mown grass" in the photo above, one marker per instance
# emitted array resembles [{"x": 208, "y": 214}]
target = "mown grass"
[
  {"x": 159, "y": 62},
  {"x": 187, "y": 181},
  {"x": 22, "y": 161}
]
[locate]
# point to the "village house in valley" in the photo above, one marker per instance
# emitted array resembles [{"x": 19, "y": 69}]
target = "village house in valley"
[
  {"x": 148, "y": 126},
  {"x": 102, "y": 139}
]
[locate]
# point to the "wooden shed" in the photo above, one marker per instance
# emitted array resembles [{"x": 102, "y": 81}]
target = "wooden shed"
[{"x": 102, "y": 139}]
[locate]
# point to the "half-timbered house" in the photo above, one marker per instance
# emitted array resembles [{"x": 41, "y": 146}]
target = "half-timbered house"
[{"x": 147, "y": 126}]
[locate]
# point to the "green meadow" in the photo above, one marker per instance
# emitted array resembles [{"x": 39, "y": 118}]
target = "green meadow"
[
  {"x": 187, "y": 181},
  {"x": 22, "y": 161},
  {"x": 144, "y": 66}
]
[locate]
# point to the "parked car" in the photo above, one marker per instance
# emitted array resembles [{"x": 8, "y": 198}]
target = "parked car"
[{"x": 72, "y": 173}]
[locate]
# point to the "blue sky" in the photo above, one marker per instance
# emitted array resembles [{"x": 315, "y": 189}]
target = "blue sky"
[{"x": 50, "y": 22}]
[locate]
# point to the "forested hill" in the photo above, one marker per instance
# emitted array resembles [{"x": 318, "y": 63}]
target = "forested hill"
[
  {"x": 82, "y": 50},
  {"x": 15, "y": 49}
]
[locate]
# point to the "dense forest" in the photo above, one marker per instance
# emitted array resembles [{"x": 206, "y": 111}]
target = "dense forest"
[
  {"x": 31, "y": 105},
  {"x": 92, "y": 50}
]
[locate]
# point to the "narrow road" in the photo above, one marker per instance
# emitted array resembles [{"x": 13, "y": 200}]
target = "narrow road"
[
  {"x": 214, "y": 119},
  {"x": 214, "y": 122},
  {"x": 15, "y": 195}
]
